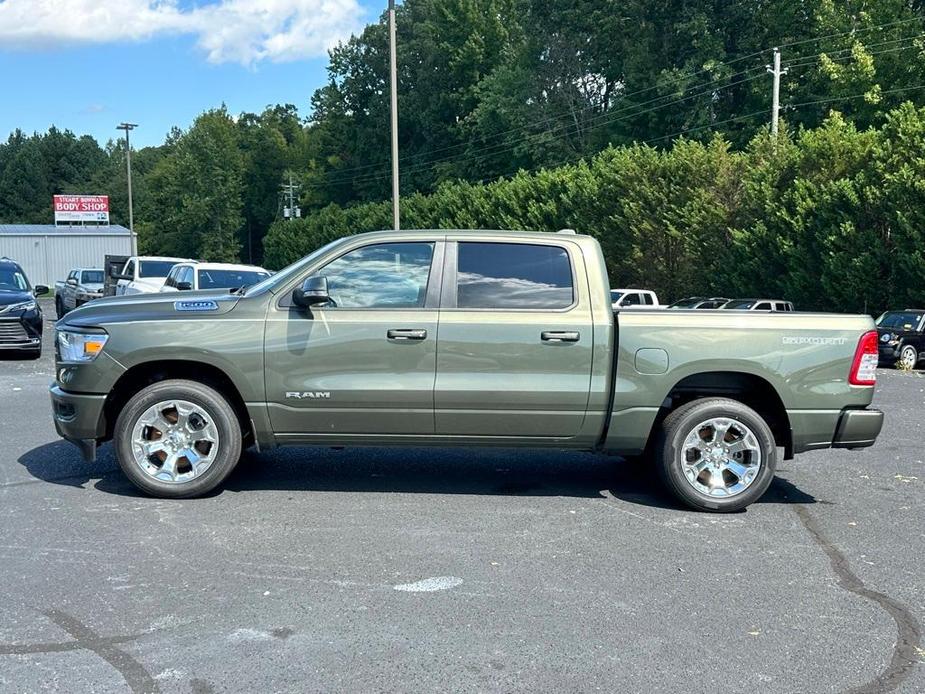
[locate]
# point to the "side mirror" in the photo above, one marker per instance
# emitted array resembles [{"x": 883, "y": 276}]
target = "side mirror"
[
  {"x": 116, "y": 275},
  {"x": 72, "y": 281},
  {"x": 314, "y": 291},
  {"x": 41, "y": 290},
  {"x": 184, "y": 286}
]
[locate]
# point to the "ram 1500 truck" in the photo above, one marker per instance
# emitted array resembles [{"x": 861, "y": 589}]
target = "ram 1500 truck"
[{"x": 459, "y": 338}]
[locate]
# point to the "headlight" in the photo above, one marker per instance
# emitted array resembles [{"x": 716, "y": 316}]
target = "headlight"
[
  {"x": 80, "y": 346},
  {"x": 22, "y": 306}
]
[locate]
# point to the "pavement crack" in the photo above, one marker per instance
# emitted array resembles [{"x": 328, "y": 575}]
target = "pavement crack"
[
  {"x": 908, "y": 636},
  {"x": 134, "y": 673}
]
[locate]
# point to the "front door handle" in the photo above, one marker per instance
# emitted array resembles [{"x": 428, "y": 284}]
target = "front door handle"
[
  {"x": 560, "y": 336},
  {"x": 406, "y": 335}
]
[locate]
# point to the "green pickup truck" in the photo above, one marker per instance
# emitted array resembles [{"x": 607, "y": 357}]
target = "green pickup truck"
[{"x": 462, "y": 338}]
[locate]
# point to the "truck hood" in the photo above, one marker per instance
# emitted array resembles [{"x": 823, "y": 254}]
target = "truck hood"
[{"x": 141, "y": 307}]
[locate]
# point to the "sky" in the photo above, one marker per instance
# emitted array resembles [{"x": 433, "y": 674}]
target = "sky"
[{"x": 87, "y": 65}]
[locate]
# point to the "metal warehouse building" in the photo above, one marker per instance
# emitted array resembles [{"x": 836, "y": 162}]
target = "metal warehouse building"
[{"x": 47, "y": 252}]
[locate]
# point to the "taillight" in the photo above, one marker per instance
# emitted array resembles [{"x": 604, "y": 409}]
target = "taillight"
[{"x": 864, "y": 366}]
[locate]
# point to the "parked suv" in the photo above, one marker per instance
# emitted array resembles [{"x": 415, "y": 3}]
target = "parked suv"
[
  {"x": 902, "y": 337},
  {"x": 758, "y": 305},
  {"x": 20, "y": 313},
  {"x": 699, "y": 302}
]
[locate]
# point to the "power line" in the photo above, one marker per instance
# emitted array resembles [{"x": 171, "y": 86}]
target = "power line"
[
  {"x": 603, "y": 119},
  {"x": 611, "y": 116}
]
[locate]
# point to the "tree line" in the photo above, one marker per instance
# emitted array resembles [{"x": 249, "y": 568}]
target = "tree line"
[
  {"x": 487, "y": 89},
  {"x": 831, "y": 218}
]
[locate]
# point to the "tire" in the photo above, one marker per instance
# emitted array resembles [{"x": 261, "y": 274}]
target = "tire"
[
  {"x": 908, "y": 357},
  {"x": 59, "y": 309},
  {"x": 194, "y": 404},
  {"x": 688, "y": 441}
]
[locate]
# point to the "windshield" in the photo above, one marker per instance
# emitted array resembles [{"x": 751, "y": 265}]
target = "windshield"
[
  {"x": 899, "y": 319},
  {"x": 686, "y": 303},
  {"x": 92, "y": 276},
  {"x": 229, "y": 279},
  {"x": 740, "y": 305},
  {"x": 290, "y": 271},
  {"x": 615, "y": 296},
  {"x": 12, "y": 280},
  {"x": 155, "y": 268}
]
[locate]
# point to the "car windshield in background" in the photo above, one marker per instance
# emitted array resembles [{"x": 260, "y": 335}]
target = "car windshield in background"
[
  {"x": 229, "y": 279},
  {"x": 615, "y": 296},
  {"x": 155, "y": 268},
  {"x": 93, "y": 277},
  {"x": 739, "y": 305},
  {"x": 899, "y": 319},
  {"x": 685, "y": 303},
  {"x": 12, "y": 281}
]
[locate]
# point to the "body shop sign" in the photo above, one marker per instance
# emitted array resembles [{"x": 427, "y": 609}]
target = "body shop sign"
[{"x": 81, "y": 208}]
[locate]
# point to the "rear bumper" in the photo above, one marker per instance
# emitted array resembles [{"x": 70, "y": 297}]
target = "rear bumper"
[
  {"x": 858, "y": 429},
  {"x": 847, "y": 428},
  {"x": 79, "y": 418}
]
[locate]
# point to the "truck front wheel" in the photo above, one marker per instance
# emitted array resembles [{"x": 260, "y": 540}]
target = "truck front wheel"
[
  {"x": 716, "y": 454},
  {"x": 177, "y": 439}
]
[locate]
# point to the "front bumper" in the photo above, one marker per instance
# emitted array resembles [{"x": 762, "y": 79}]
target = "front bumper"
[
  {"x": 887, "y": 356},
  {"x": 22, "y": 332},
  {"x": 858, "y": 429},
  {"x": 79, "y": 418}
]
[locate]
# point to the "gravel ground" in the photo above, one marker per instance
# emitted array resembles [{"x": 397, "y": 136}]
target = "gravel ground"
[{"x": 451, "y": 570}]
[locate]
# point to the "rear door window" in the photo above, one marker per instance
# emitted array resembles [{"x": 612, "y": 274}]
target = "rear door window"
[
  {"x": 513, "y": 276},
  {"x": 763, "y": 306}
]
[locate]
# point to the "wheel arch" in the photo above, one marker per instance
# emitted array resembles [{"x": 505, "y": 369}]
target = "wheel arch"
[
  {"x": 146, "y": 373},
  {"x": 749, "y": 389}
]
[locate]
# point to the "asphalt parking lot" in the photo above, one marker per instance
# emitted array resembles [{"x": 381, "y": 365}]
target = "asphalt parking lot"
[{"x": 456, "y": 570}]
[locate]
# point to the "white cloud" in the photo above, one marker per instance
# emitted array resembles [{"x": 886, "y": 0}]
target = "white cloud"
[{"x": 241, "y": 31}]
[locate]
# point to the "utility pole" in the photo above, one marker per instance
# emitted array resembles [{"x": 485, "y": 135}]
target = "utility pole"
[
  {"x": 775, "y": 99},
  {"x": 289, "y": 190},
  {"x": 393, "y": 88},
  {"x": 127, "y": 127}
]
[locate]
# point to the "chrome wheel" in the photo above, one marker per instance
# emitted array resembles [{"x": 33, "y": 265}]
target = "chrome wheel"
[
  {"x": 909, "y": 357},
  {"x": 174, "y": 441},
  {"x": 721, "y": 457}
]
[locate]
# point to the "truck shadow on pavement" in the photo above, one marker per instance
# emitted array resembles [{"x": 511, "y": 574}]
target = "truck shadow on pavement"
[{"x": 503, "y": 472}]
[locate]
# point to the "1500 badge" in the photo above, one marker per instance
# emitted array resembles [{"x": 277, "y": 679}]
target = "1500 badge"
[{"x": 195, "y": 305}]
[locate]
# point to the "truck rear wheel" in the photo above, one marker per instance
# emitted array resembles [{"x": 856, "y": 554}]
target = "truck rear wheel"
[
  {"x": 177, "y": 439},
  {"x": 716, "y": 454}
]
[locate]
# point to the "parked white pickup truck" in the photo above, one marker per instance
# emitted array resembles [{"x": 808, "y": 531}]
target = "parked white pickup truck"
[
  {"x": 81, "y": 285},
  {"x": 145, "y": 274}
]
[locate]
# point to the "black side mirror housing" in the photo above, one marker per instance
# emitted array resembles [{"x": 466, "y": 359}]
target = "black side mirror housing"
[
  {"x": 184, "y": 286},
  {"x": 314, "y": 291},
  {"x": 41, "y": 290}
]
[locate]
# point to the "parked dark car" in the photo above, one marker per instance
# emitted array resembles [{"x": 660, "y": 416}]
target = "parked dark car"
[
  {"x": 699, "y": 302},
  {"x": 902, "y": 340},
  {"x": 20, "y": 313}
]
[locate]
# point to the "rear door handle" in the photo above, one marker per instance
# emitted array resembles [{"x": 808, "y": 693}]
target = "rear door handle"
[
  {"x": 560, "y": 336},
  {"x": 406, "y": 335}
]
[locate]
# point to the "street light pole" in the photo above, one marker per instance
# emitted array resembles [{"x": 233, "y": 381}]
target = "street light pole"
[
  {"x": 128, "y": 164},
  {"x": 393, "y": 88}
]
